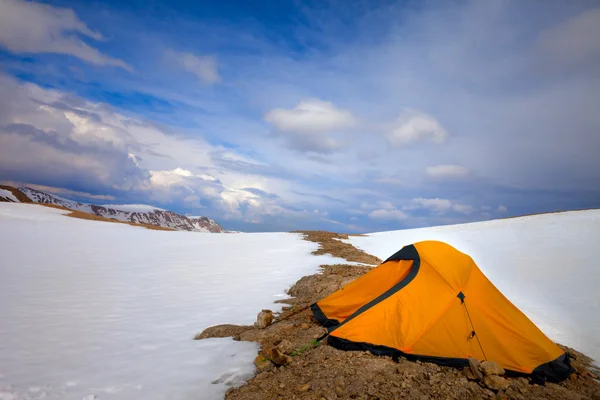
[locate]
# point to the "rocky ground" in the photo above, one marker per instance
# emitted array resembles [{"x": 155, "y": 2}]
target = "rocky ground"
[{"x": 293, "y": 365}]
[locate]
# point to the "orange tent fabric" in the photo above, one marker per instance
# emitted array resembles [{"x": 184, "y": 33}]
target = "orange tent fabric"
[{"x": 431, "y": 302}]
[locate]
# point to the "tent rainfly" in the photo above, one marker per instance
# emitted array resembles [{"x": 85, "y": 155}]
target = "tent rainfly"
[{"x": 431, "y": 302}]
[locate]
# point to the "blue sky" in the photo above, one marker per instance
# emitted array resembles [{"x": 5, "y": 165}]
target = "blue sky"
[{"x": 348, "y": 116}]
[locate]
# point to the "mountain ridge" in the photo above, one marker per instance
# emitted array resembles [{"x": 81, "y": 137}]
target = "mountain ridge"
[{"x": 147, "y": 215}]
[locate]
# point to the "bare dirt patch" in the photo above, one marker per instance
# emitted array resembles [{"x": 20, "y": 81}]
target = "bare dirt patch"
[
  {"x": 91, "y": 217},
  {"x": 313, "y": 370},
  {"x": 329, "y": 243}
]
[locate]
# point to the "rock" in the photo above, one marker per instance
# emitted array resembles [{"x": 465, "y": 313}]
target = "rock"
[
  {"x": 221, "y": 331},
  {"x": 252, "y": 335},
  {"x": 285, "y": 346},
  {"x": 263, "y": 364},
  {"x": 303, "y": 388},
  {"x": 491, "y": 368},
  {"x": 262, "y": 375},
  {"x": 501, "y": 396},
  {"x": 304, "y": 325},
  {"x": 474, "y": 367},
  {"x": 496, "y": 382},
  {"x": 339, "y": 391},
  {"x": 264, "y": 319},
  {"x": 596, "y": 395},
  {"x": 468, "y": 373},
  {"x": 275, "y": 355}
]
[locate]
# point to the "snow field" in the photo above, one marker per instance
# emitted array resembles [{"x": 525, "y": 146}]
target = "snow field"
[{"x": 109, "y": 310}]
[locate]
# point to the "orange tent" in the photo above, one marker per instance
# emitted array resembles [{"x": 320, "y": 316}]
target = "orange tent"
[{"x": 431, "y": 302}]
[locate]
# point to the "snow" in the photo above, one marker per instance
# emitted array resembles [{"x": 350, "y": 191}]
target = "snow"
[
  {"x": 547, "y": 265},
  {"x": 108, "y": 311},
  {"x": 7, "y": 194},
  {"x": 140, "y": 208}
]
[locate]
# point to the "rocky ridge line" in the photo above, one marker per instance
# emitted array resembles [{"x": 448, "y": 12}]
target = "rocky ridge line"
[{"x": 154, "y": 217}]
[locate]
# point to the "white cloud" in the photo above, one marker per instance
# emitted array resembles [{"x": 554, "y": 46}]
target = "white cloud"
[
  {"x": 501, "y": 209},
  {"x": 439, "y": 206},
  {"x": 311, "y": 116},
  {"x": 447, "y": 171},
  {"x": 387, "y": 211},
  {"x": 462, "y": 208},
  {"x": 414, "y": 125},
  {"x": 393, "y": 214},
  {"x": 204, "y": 67},
  {"x": 29, "y": 27},
  {"x": 172, "y": 177},
  {"x": 310, "y": 124}
]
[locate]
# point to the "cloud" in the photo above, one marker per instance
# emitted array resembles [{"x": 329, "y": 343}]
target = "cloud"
[
  {"x": 439, "y": 206},
  {"x": 462, "y": 208},
  {"x": 175, "y": 176},
  {"x": 501, "y": 209},
  {"x": 308, "y": 125},
  {"x": 412, "y": 126},
  {"x": 447, "y": 171},
  {"x": 62, "y": 191},
  {"x": 29, "y": 27},
  {"x": 388, "y": 215},
  {"x": 384, "y": 211},
  {"x": 572, "y": 43},
  {"x": 204, "y": 67},
  {"x": 477, "y": 73}
]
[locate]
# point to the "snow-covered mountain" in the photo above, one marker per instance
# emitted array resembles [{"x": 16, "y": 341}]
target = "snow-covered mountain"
[{"x": 138, "y": 213}]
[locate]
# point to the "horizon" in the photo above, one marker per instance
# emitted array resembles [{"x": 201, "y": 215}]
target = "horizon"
[{"x": 348, "y": 117}]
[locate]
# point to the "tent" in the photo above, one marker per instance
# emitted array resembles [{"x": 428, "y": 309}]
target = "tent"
[{"x": 431, "y": 302}]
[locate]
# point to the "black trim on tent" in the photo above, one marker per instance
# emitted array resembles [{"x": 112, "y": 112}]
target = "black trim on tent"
[
  {"x": 322, "y": 318},
  {"x": 345, "y": 344},
  {"x": 406, "y": 253},
  {"x": 553, "y": 371}
]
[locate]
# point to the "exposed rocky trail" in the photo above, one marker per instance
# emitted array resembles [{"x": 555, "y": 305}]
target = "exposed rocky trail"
[{"x": 293, "y": 365}]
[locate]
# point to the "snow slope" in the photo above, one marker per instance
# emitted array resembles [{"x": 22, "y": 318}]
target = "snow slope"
[
  {"x": 38, "y": 196},
  {"x": 547, "y": 265},
  {"x": 109, "y": 310},
  {"x": 7, "y": 194}
]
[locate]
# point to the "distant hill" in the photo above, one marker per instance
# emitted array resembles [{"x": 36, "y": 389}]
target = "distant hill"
[{"x": 135, "y": 213}]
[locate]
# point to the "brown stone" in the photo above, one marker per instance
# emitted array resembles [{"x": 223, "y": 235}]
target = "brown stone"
[
  {"x": 474, "y": 367},
  {"x": 304, "y": 325},
  {"x": 491, "y": 368},
  {"x": 285, "y": 346},
  {"x": 275, "y": 355},
  {"x": 468, "y": 373},
  {"x": 252, "y": 335},
  {"x": 496, "y": 382},
  {"x": 303, "y": 388},
  {"x": 221, "y": 331},
  {"x": 264, "y": 319},
  {"x": 263, "y": 364}
]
